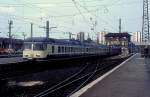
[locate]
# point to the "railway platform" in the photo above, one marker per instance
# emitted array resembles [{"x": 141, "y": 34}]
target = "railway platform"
[
  {"x": 10, "y": 60},
  {"x": 129, "y": 79}
]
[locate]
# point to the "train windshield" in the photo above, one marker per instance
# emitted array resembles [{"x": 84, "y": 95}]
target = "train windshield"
[
  {"x": 39, "y": 46},
  {"x": 28, "y": 46}
]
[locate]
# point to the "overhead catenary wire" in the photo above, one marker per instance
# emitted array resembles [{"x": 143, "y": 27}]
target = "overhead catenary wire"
[
  {"x": 70, "y": 15},
  {"x": 33, "y": 4},
  {"x": 84, "y": 18},
  {"x": 56, "y": 3},
  {"x": 94, "y": 15},
  {"x": 80, "y": 13},
  {"x": 75, "y": 14},
  {"x": 98, "y": 5}
]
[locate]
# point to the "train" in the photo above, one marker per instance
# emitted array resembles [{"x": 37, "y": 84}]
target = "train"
[{"x": 48, "y": 48}]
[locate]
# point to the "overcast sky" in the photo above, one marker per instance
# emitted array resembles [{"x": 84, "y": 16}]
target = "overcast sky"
[{"x": 69, "y": 16}]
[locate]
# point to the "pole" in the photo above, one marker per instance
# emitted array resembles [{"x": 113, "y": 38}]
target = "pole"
[
  {"x": 120, "y": 25},
  {"x": 32, "y": 32},
  {"x": 47, "y": 29},
  {"x": 10, "y": 36},
  {"x": 70, "y": 35},
  {"x": 24, "y": 36}
]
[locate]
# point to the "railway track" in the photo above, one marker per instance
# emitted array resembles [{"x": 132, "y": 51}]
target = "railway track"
[
  {"x": 60, "y": 85},
  {"x": 74, "y": 83},
  {"x": 72, "y": 71},
  {"x": 64, "y": 87},
  {"x": 21, "y": 68},
  {"x": 15, "y": 69}
]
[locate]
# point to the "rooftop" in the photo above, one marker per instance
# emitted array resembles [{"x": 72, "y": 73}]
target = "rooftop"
[{"x": 125, "y": 34}]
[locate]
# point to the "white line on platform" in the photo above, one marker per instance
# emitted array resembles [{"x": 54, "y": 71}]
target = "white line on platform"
[{"x": 84, "y": 89}]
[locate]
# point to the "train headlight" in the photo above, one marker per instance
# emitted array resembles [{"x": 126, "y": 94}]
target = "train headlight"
[
  {"x": 26, "y": 55},
  {"x": 37, "y": 55}
]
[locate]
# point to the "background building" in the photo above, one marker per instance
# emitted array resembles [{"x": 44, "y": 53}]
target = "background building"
[
  {"x": 136, "y": 37},
  {"x": 81, "y": 36},
  {"x": 101, "y": 37}
]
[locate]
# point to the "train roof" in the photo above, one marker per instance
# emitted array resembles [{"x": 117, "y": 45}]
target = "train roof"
[
  {"x": 63, "y": 41},
  {"x": 51, "y": 40}
]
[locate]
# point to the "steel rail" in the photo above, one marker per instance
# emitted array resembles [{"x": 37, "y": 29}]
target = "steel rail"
[
  {"x": 84, "y": 81},
  {"x": 71, "y": 82},
  {"x": 69, "y": 78}
]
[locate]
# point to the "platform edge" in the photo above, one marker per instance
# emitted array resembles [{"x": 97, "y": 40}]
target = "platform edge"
[{"x": 84, "y": 89}]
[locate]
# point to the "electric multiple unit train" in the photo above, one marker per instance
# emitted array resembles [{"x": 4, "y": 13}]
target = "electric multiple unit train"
[{"x": 41, "y": 48}]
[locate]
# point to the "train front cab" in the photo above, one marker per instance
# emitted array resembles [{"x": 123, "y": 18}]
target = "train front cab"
[{"x": 34, "y": 51}]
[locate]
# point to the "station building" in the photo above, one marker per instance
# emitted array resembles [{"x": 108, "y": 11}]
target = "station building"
[
  {"x": 119, "y": 39},
  {"x": 122, "y": 40}
]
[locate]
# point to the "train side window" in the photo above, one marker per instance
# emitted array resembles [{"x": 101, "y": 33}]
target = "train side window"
[
  {"x": 68, "y": 50},
  {"x": 44, "y": 46},
  {"x": 71, "y": 49},
  {"x": 76, "y": 50},
  {"x": 0, "y": 45},
  {"x": 53, "y": 48},
  {"x": 65, "y": 49},
  {"x": 59, "y": 49},
  {"x": 62, "y": 48},
  {"x": 80, "y": 49}
]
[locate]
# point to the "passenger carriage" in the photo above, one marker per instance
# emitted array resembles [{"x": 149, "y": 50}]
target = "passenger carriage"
[{"x": 40, "y": 48}]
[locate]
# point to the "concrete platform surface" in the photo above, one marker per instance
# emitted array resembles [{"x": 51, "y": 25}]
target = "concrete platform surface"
[
  {"x": 11, "y": 60},
  {"x": 132, "y": 79}
]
